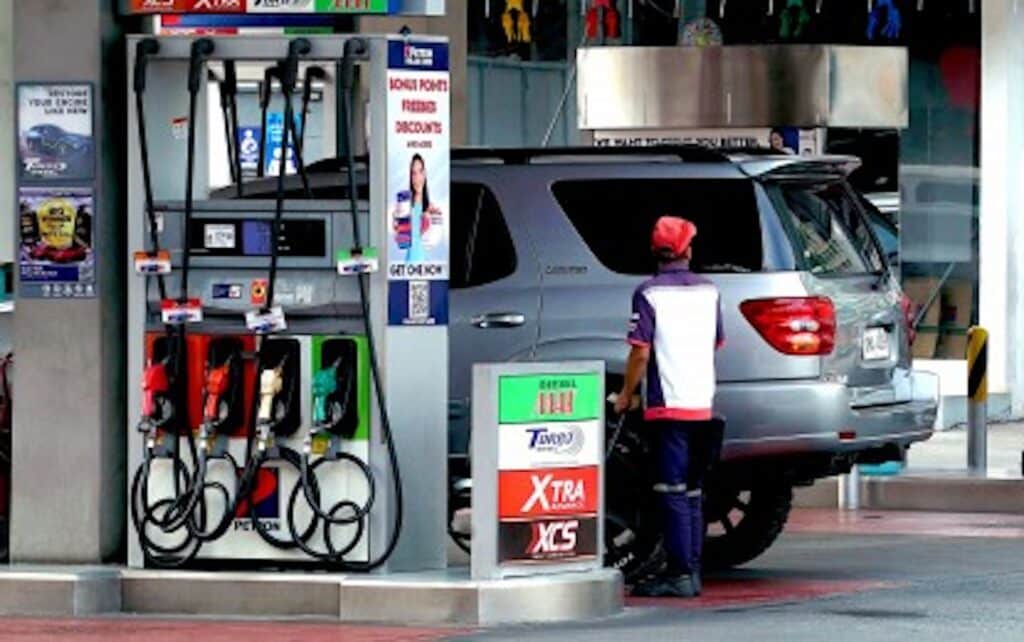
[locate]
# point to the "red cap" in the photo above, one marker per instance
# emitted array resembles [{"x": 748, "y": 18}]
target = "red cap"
[{"x": 673, "y": 235}]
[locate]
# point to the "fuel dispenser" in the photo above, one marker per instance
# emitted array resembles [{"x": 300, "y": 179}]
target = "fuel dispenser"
[{"x": 269, "y": 427}]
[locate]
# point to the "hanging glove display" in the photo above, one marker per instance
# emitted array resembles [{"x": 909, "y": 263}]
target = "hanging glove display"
[
  {"x": 794, "y": 20},
  {"x": 516, "y": 23},
  {"x": 603, "y": 21},
  {"x": 889, "y": 28}
]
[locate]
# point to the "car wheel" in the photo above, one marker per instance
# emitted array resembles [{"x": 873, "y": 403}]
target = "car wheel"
[{"x": 743, "y": 524}]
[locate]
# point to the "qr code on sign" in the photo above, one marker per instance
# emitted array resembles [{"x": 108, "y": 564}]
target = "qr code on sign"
[{"x": 419, "y": 299}]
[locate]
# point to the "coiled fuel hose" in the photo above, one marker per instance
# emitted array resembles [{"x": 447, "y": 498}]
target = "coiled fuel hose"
[
  {"x": 184, "y": 515},
  {"x": 348, "y": 512},
  {"x": 261, "y": 448}
]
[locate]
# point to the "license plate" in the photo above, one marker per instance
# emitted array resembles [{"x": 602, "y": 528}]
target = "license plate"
[{"x": 876, "y": 344}]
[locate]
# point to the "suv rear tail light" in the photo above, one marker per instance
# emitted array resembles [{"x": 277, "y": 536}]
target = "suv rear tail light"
[
  {"x": 909, "y": 316},
  {"x": 796, "y": 326}
]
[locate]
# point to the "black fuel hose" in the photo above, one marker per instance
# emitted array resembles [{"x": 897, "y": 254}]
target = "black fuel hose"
[
  {"x": 225, "y": 110},
  {"x": 143, "y": 512},
  {"x": 230, "y": 87},
  {"x": 353, "y": 47},
  {"x": 313, "y": 72},
  {"x": 357, "y": 47},
  {"x": 179, "y": 512},
  {"x": 143, "y": 50},
  {"x": 286, "y": 72},
  {"x": 202, "y": 49},
  {"x": 266, "y": 89},
  {"x": 297, "y": 540},
  {"x": 309, "y": 471}
]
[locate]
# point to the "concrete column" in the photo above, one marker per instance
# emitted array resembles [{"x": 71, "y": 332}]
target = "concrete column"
[
  {"x": 1002, "y": 193},
  {"x": 69, "y": 415},
  {"x": 7, "y": 133}
]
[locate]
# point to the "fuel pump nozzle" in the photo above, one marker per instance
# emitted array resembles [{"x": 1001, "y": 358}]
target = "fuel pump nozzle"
[
  {"x": 216, "y": 405},
  {"x": 325, "y": 384},
  {"x": 157, "y": 408},
  {"x": 269, "y": 413}
]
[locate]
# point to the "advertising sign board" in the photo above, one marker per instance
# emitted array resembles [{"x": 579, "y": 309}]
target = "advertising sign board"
[{"x": 538, "y": 435}]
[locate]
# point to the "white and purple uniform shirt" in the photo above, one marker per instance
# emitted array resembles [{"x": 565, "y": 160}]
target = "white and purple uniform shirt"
[{"x": 678, "y": 315}]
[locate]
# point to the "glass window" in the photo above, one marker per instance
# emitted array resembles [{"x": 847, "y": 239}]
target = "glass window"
[
  {"x": 615, "y": 218},
  {"x": 481, "y": 249},
  {"x": 885, "y": 230},
  {"x": 829, "y": 226}
]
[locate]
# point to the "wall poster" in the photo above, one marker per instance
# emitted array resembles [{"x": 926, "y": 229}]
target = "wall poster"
[
  {"x": 55, "y": 250},
  {"x": 55, "y": 132},
  {"x": 418, "y": 182}
]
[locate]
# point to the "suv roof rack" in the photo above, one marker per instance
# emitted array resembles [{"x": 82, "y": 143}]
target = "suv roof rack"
[
  {"x": 752, "y": 151},
  {"x": 683, "y": 153}
]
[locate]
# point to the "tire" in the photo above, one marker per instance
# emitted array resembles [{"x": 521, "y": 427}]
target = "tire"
[{"x": 744, "y": 524}]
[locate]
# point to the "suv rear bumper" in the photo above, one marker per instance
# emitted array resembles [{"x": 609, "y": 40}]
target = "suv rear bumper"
[{"x": 801, "y": 417}]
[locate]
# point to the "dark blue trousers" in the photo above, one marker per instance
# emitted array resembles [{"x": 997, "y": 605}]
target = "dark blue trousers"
[{"x": 682, "y": 464}]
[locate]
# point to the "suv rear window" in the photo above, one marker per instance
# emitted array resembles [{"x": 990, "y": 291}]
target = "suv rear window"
[
  {"x": 829, "y": 226},
  {"x": 615, "y": 218}
]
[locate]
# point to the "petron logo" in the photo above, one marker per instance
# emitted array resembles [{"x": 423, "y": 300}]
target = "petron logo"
[
  {"x": 556, "y": 441},
  {"x": 265, "y": 495},
  {"x": 553, "y": 539},
  {"x": 418, "y": 56}
]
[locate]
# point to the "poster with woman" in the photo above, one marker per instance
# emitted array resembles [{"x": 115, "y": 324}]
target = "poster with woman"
[{"x": 418, "y": 183}]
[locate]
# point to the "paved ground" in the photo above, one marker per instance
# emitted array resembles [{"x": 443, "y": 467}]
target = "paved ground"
[
  {"x": 833, "y": 576},
  {"x": 946, "y": 452}
]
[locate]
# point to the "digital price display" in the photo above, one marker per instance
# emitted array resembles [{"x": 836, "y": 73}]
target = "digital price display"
[{"x": 256, "y": 238}]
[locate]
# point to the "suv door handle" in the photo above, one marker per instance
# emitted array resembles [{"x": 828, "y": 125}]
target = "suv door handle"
[{"x": 498, "y": 320}]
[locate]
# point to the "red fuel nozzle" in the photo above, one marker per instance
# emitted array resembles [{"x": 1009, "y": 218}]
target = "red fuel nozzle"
[
  {"x": 154, "y": 383},
  {"x": 218, "y": 380}
]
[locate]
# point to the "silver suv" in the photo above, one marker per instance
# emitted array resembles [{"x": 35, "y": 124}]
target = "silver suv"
[{"x": 548, "y": 245}]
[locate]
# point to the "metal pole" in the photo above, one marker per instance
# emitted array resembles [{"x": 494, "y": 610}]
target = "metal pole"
[
  {"x": 849, "y": 489},
  {"x": 977, "y": 401}
]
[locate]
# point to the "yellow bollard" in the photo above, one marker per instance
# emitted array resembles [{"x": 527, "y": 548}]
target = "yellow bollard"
[{"x": 977, "y": 401}]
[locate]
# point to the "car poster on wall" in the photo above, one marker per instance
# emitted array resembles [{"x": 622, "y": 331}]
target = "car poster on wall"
[
  {"x": 55, "y": 250},
  {"x": 55, "y": 132}
]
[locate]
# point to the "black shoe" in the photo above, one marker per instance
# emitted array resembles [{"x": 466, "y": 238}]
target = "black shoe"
[
  {"x": 697, "y": 581},
  {"x": 666, "y": 586}
]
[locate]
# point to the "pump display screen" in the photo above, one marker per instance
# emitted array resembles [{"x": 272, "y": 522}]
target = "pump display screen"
[
  {"x": 253, "y": 237},
  {"x": 256, "y": 238}
]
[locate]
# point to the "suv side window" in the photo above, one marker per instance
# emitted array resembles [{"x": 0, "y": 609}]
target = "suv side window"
[
  {"x": 615, "y": 218},
  {"x": 482, "y": 250}
]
